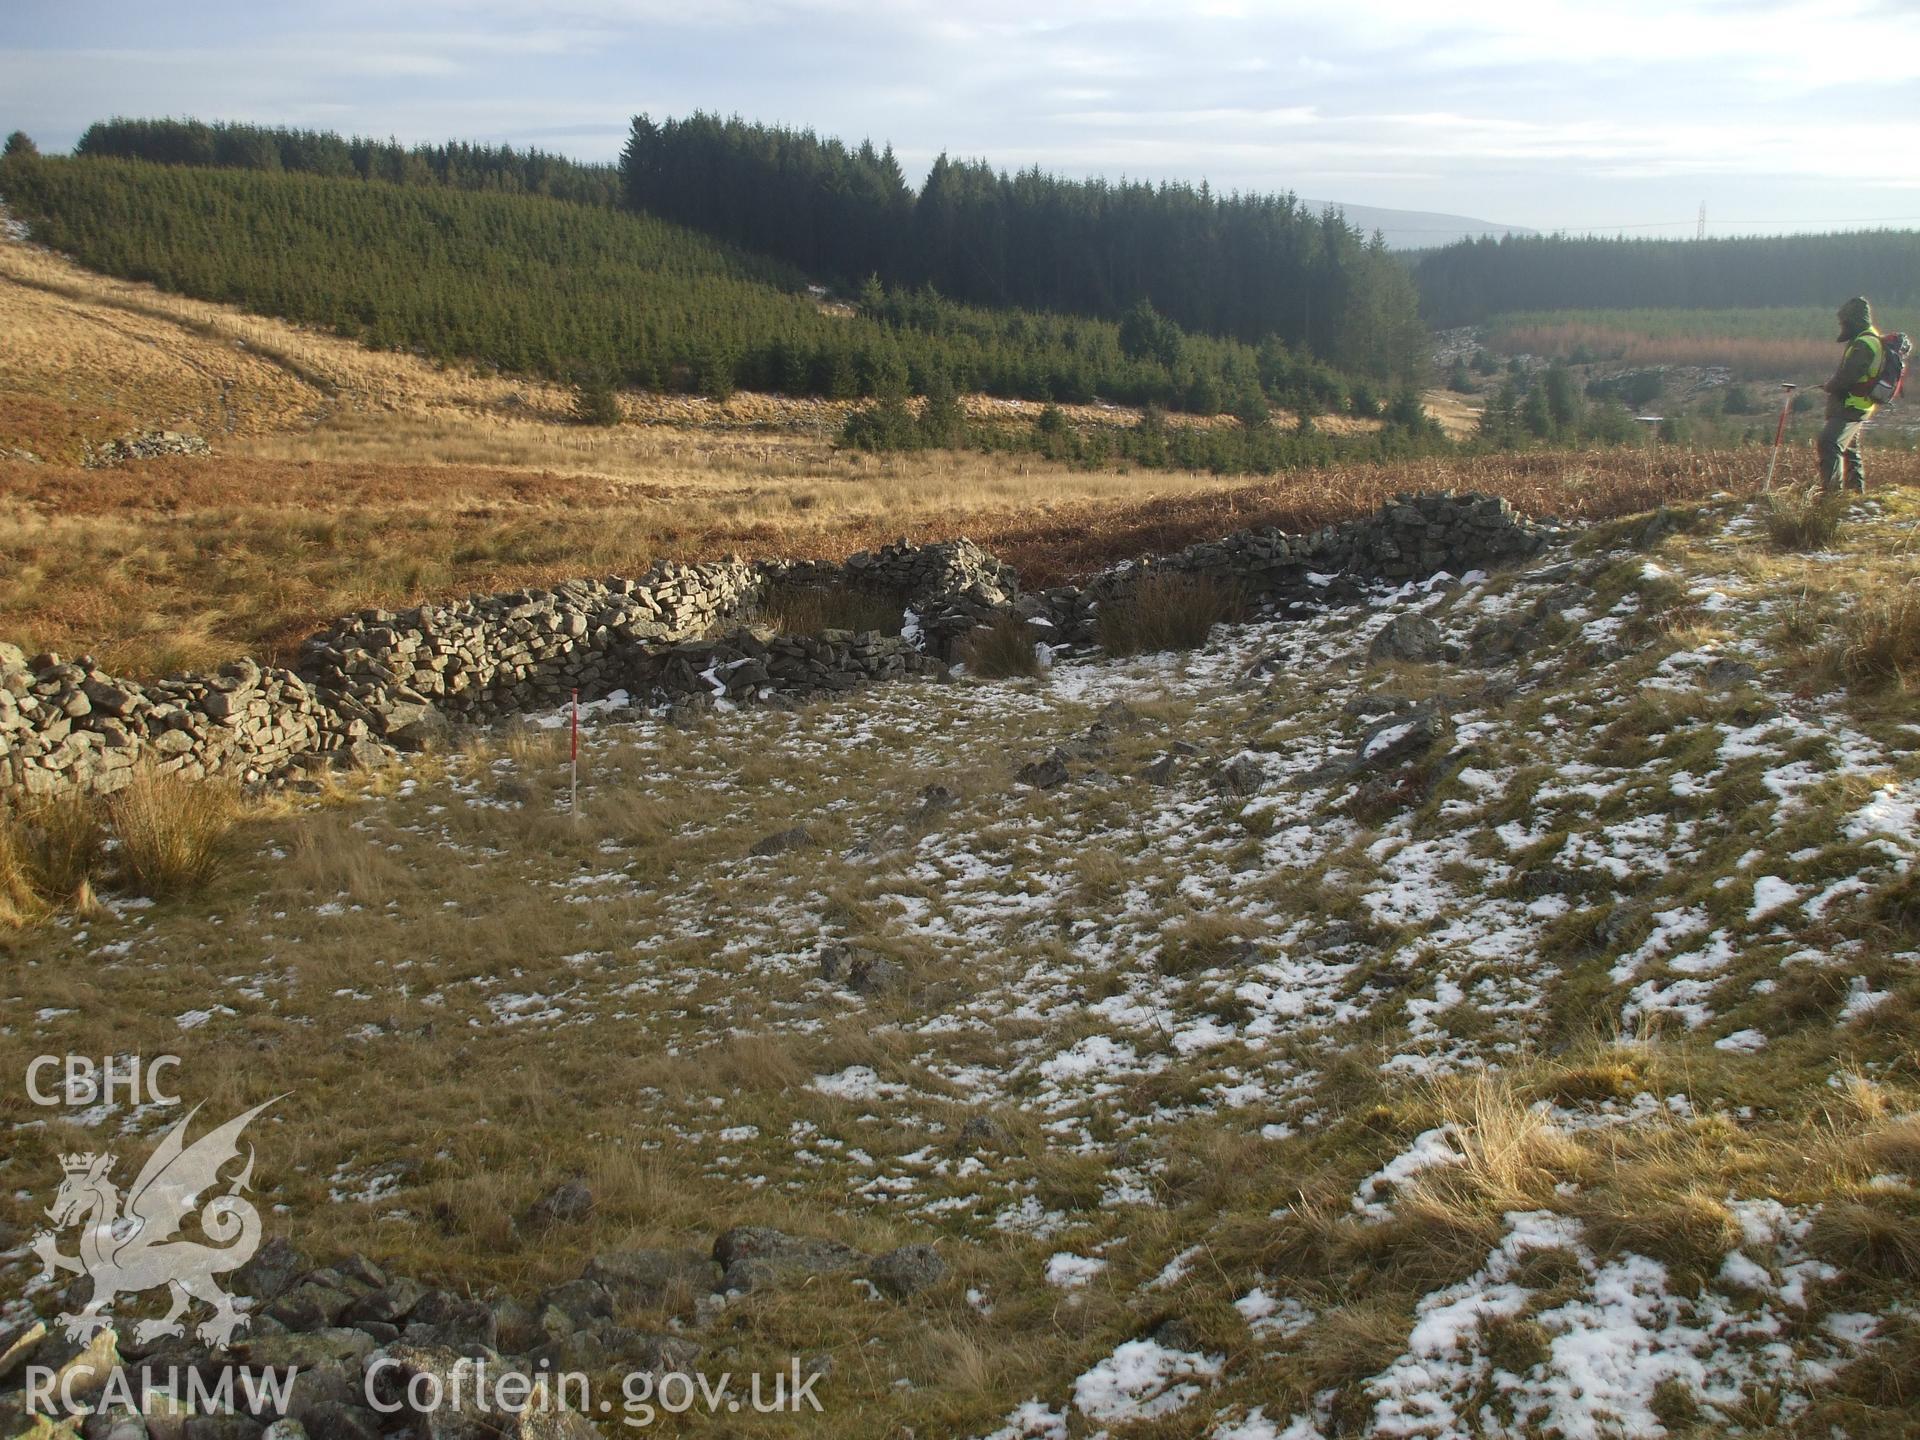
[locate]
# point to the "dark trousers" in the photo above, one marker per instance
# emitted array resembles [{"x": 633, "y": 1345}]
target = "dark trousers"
[{"x": 1840, "y": 459}]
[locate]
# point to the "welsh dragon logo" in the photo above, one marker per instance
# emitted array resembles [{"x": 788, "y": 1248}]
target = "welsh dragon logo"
[{"x": 129, "y": 1250}]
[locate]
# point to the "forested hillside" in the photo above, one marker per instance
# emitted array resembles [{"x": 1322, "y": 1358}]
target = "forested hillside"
[
  {"x": 1253, "y": 268},
  {"x": 1244, "y": 266},
  {"x": 543, "y": 287},
  {"x": 1465, "y": 283},
  {"x": 320, "y": 152}
]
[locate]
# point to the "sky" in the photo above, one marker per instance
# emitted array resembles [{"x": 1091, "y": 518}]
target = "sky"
[{"x": 1585, "y": 115}]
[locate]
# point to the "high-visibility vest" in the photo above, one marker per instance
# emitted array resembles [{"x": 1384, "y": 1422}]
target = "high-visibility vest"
[{"x": 1871, "y": 339}]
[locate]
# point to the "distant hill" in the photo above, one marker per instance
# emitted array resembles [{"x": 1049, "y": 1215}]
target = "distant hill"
[
  {"x": 545, "y": 287},
  {"x": 1418, "y": 229},
  {"x": 1469, "y": 280}
]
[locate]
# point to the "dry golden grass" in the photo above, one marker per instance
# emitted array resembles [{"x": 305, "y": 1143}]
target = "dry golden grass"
[
  {"x": 172, "y": 833},
  {"x": 809, "y": 609},
  {"x": 1803, "y": 519},
  {"x": 1881, "y": 646},
  {"x": 69, "y": 843},
  {"x": 349, "y": 477},
  {"x": 1166, "y": 611},
  {"x": 1004, "y": 648},
  {"x": 168, "y": 839},
  {"x": 1749, "y": 357},
  {"x": 20, "y": 902}
]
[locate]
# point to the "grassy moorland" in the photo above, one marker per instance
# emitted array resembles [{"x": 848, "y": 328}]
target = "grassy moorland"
[
  {"x": 1791, "y": 343},
  {"x": 182, "y": 563},
  {"x": 1560, "y": 1075},
  {"x": 1567, "y": 1081},
  {"x": 346, "y": 477}
]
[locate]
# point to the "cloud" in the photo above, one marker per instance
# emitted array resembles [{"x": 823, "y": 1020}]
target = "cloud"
[{"x": 1549, "y": 113}]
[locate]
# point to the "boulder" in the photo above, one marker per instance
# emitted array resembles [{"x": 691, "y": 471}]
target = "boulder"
[
  {"x": 904, "y": 1273},
  {"x": 781, "y": 842},
  {"x": 781, "y": 1254},
  {"x": 1411, "y": 638},
  {"x": 567, "y": 1203},
  {"x": 653, "y": 1279},
  {"x": 1047, "y": 774},
  {"x": 1241, "y": 776}
]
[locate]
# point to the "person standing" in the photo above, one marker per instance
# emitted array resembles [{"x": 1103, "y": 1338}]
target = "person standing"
[{"x": 1848, "y": 407}]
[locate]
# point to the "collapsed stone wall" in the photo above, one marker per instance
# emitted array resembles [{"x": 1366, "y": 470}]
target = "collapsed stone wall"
[
  {"x": 952, "y": 587},
  {"x": 1409, "y": 538},
  {"x": 381, "y": 680},
  {"x": 147, "y": 445}
]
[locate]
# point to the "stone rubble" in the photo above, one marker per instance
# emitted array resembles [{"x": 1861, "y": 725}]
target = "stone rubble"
[
  {"x": 147, "y": 445},
  {"x": 355, "y": 1336}
]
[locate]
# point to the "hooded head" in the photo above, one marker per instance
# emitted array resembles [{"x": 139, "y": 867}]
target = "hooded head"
[{"x": 1855, "y": 316}]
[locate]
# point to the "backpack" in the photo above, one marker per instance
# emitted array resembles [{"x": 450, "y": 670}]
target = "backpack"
[{"x": 1896, "y": 352}]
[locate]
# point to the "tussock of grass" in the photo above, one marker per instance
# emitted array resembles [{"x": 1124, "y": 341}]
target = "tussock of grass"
[
  {"x": 20, "y": 902},
  {"x": 1881, "y": 645},
  {"x": 1166, "y": 611},
  {"x": 1877, "y": 1233},
  {"x": 169, "y": 839},
  {"x": 809, "y": 609},
  {"x": 1686, "y": 1226},
  {"x": 1606, "y": 1078},
  {"x": 1514, "y": 1155},
  {"x": 1202, "y": 942},
  {"x": 172, "y": 833},
  {"x": 1002, "y": 650},
  {"x": 1802, "y": 520},
  {"x": 51, "y": 850},
  {"x": 1355, "y": 1341},
  {"x": 65, "y": 844},
  {"x": 330, "y": 857}
]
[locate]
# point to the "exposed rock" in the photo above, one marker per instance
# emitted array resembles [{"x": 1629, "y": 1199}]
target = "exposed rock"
[
  {"x": 444, "y": 1320},
  {"x": 781, "y": 841},
  {"x": 272, "y": 1270},
  {"x": 1241, "y": 776},
  {"x": 1161, "y": 770},
  {"x": 1398, "y": 739},
  {"x": 578, "y": 1302},
  {"x": 1047, "y": 774},
  {"x": 390, "y": 1305},
  {"x": 339, "y": 1346},
  {"x": 1729, "y": 674},
  {"x": 875, "y": 975},
  {"x": 755, "y": 1255},
  {"x": 983, "y": 1132},
  {"x": 1411, "y": 638},
  {"x": 905, "y": 1272},
  {"x": 1563, "y": 598},
  {"x": 17, "y": 1349},
  {"x": 309, "y": 1306},
  {"x": 836, "y": 961},
  {"x": 338, "y": 1420},
  {"x": 380, "y": 680},
  {"x": 567, "y": 1203},
  {"x": 146, "y": 445},
  {"x": 649, "y": 1279},
  {"x": 935, "y": 798},
  {"x": 223, "y": 1427}
]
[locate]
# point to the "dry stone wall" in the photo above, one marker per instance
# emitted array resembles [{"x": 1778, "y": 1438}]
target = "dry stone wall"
[
  {"x": 1411, "y": 537},
  {"x": 380, "y": 680},
  {"x": 72, "y": 725}
]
